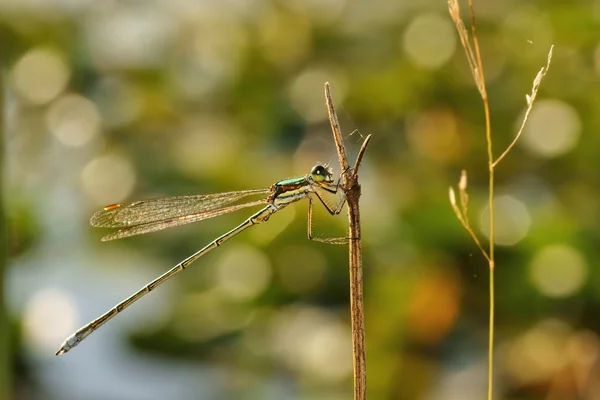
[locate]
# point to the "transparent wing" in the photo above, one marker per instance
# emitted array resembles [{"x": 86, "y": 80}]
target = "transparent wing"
[
  {"x": 158, "y": 225},
  {"x": 165, "y": 208}
]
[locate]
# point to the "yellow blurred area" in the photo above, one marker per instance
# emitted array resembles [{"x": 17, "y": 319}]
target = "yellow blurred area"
[
  {"x": 512, "y": 220},
  {"x": 558, "y": 271},
  {"x": 553, "y": 129},
  {"x": 434, "y": 306},
  {"x": 40, "y": 75},
  {"x": 74, "y": 120},
  {"x": 435, "y": 135},
  {"x": 429, "y": 41}
]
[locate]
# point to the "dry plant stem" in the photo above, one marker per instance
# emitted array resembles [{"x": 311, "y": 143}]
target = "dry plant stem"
[
  {"x": 488, "y": 138},
  {"x": 462, "y": 213},
  {"x": 465, "y": 223},
  {"x": 530, "y": 99},
  {"x": 476, "y": 65},
  {"x": 351, "y": 189}
]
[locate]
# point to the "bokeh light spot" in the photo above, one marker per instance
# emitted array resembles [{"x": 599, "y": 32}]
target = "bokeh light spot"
[
  {"x": 558, "y": 271},
  {"x": 49, "y": 316},
  {"x": 313, "y": 342},
  {"x": 206, "y": 145},
  {"x": 108, "y": 179},
  {"x": 538, "y": 353},
  {"x": 306, "y": 92},
  {"x": 243, "y": 273},
  {"x": 512, "y": 220},
  {"x": 73, "y": 119},
  {"x": 429, "y": 41},
  {"x": 208, "y": 61},
  {"x": 553, "y": 128},
  {"x": 40, "y": 75},
  {"x": 120, "y": 36}
]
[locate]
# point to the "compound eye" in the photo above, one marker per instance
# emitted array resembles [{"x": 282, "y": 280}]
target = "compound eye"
[
  {"x": 321, "y": 173},
  {"x": 318, "y": 170}
]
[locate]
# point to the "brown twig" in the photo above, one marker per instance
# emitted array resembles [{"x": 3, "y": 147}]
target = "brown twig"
[{"x": 351, "y": 189}]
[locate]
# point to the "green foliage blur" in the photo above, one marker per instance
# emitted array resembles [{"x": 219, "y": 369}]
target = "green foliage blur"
[{"x": 110, "y": 101}]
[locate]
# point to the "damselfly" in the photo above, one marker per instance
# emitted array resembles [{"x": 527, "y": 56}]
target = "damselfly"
[{"x": 152, "y": 215}]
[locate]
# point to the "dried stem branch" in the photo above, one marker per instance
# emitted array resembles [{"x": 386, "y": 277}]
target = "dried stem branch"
[
  {"x": 351, "y": 189},
  {"x": 462, "y": 212},
  {"x": 476, "y": 67},
  {"x": 530, "y": 99},
  {"x": 454, "y": 9}
]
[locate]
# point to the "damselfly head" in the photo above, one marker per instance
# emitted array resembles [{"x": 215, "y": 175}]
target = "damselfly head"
[{"x": 322, "y": 173}]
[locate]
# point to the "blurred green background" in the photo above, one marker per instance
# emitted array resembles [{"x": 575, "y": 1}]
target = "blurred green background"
[{"x": 108, "y": 101}]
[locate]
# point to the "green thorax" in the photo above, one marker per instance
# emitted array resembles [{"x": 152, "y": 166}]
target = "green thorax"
[{"x": 292, "y": 183}]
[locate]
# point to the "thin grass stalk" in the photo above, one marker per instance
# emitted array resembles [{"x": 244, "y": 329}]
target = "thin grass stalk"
[{"x": 476, "y": 67}]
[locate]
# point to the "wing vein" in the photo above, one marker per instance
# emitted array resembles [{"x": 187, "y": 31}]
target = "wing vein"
[
  {"x": 164, "y": 208},
  {"x": 157, "y": 225}
]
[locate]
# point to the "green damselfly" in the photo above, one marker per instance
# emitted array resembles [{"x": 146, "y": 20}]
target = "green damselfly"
[{"x": 147, "y": 216}]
